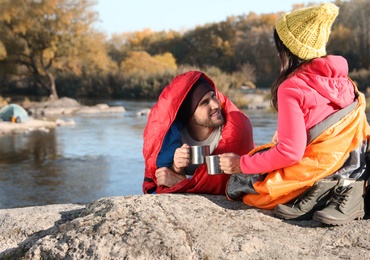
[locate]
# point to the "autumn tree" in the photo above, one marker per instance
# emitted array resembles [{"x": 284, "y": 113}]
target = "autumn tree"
[
  {"x": 354, "y": 23},
  {"x": 40, "y": 33}
]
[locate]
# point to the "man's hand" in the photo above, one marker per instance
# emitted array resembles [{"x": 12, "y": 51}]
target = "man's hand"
[
  {"x": 181, "y": 158},
  {"x": 230, "y": 163},
  {"x": 168, "y": 178}
]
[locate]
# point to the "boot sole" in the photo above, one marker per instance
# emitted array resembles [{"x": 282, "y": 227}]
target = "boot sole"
[
  {"x": 332, "y": 221},
  {"x": 285, "y": 215}
]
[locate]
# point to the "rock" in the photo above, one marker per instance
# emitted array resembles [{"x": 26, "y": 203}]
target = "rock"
[
  {"x": 256, "y": 102},
  {"x": 61, "y": 122},
  {"x": 173, "y": 226},
  {"x": 69, "y": 106},
  {"x": 21, "y": 228},
  {"x": 99, "y": 108},
  {"x": 27, "y": 126},
  {"x": 52, "y": 111},
  {"x": 61, "y": 102}
]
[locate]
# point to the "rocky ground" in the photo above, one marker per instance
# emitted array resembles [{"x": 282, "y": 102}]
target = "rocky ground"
[{"x": 174, "y": 226}]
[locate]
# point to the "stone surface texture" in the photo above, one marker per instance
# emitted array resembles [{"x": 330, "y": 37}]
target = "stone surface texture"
[{"x": 172, "y": 226}]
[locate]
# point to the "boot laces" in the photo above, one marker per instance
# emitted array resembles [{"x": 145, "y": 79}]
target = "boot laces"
[
  {"x": 340, "y": 195},
  {"x": 306, "y": 197}
]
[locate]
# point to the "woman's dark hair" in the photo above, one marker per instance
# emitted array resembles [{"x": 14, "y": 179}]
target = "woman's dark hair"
[{"x": 289, "y": 63}]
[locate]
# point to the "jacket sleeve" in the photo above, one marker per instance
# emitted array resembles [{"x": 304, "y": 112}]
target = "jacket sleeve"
[
  {"x": 292, "y": 137},
  {"x": 171, "y": 142}
]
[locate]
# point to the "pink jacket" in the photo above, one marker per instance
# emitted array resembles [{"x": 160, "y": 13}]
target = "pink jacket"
[{"x": 306, "y": 98}]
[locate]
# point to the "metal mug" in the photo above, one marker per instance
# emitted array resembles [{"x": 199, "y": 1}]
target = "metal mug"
[
  {"x": 213, "y": 165},
  {"x": 198, "y": 153}
]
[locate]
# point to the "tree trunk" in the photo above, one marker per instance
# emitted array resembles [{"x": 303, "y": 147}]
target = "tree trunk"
[{"x": 53, "y": 90}]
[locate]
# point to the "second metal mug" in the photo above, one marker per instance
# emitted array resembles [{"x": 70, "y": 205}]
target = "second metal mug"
[
  {"x": 213, "y": 165},
  {"x": 198, "y": 154}
]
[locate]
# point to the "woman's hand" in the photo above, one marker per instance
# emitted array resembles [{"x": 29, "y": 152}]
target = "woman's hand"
[{"x": 230, "y": 163}]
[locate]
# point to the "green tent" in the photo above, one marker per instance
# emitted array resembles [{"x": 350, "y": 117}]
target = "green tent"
[{"x": 13, "y": 113}]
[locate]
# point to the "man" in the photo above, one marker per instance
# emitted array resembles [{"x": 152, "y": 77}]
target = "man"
[{"x": 191, "y": 111}]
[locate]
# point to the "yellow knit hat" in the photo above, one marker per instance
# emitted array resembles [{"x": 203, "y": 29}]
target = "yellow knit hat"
[{"x": 306, "y": 31}]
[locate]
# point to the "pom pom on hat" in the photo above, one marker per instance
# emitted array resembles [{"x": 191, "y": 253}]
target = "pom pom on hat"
[
  {"x": 306, "y": 31},
  {"x": 192, "y": 99}
]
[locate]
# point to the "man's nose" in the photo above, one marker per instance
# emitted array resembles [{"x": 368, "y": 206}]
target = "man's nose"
[{"x": 215, "y": 103}]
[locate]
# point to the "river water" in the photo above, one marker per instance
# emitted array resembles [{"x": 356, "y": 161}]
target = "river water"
[{"x": 100, "y": 156}]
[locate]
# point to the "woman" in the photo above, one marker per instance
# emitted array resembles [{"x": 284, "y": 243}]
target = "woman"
[{"x": 312, "y": 92}]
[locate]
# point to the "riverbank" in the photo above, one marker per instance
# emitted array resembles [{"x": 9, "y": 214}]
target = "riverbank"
[
  {"x": 44, "y": 115},
  {"x": 25, "y": 127},
  {"x": 67, "y": 106},
  {"x": 173, "y": 226}
]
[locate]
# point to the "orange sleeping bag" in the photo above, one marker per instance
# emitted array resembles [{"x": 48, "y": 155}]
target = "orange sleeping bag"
[{"x": 323, "y": 156}]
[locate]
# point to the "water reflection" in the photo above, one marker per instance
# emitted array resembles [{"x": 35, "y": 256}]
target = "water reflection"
[
  {"x": 99, "y": 156},
  {"x": 264, "y": 125}
]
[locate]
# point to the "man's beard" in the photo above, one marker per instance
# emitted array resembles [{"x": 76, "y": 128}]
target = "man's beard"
[{"x": 210, "y": 122}]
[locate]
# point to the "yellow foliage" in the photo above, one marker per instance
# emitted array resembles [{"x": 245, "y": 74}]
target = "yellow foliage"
[
  {"x": 137, "y": 37},
  {"x": 50, "y": 33},
  {"x": 341, "y": 32},
  {"x": 48, "y": 54},
  {"x": 269, "y": 19},
  {"x": 168, "y": 59},
  {"x": 90, "y": 57},
  {"x": 141, "y": 61},
  {"x": 2, "y": 51}
]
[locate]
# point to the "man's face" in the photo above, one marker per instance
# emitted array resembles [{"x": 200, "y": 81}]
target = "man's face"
[{"x": 208, "y": 112}]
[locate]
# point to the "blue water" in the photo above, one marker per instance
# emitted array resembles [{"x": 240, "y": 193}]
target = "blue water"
[{"x": 100, "y": 156}]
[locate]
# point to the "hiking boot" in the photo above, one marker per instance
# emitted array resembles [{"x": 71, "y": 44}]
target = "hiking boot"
[
  {"x": 314, "y": 199},
  {"x": 367, "y": 200},
  {"x": 346, "y": 204}
]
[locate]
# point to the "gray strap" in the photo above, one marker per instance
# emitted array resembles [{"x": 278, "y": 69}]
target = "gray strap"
[{"x": 316, "y": 130}]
